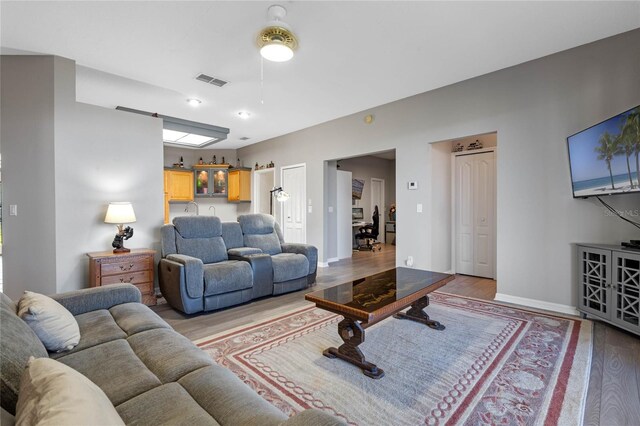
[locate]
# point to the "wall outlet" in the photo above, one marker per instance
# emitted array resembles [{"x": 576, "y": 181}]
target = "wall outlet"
[
  {"x": 330, "y": 209},
  {"x": 409, "y": 261},
  {"x": 419, "y": 208},
  {"x": 310, "y": 209}
]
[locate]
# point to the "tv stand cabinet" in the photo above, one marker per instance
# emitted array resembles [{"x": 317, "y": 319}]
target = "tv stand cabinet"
[{"x": 609, "y": 284}]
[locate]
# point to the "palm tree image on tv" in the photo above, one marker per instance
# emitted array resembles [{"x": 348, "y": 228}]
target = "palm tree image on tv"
[
  {"x": 606, "y": 150},
  {"x": 605, "y": 157},
  {"x": 631, "y": 134}
]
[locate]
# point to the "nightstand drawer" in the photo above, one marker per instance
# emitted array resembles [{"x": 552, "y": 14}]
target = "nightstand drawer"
[
  {"x": 132, "y": 265},
  {"x": 128, "y": 278}
]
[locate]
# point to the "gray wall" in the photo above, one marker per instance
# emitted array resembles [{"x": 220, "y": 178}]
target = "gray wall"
[
  {"x": 63, "y": 164},
  {"x": 533, "y": 107},
  {"x": 27, "y": 122}
]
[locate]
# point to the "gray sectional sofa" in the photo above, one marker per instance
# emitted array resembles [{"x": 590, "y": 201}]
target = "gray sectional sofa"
[
  {"x": 207, "y": 264},
  {"x": 151, "y": 374}
]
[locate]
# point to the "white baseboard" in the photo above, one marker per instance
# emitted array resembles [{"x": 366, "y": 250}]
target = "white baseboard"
[
  {"x": 333, "y": 259},
  {"x": 538, "y": 304},
  {"x": 323, "y": 264}
]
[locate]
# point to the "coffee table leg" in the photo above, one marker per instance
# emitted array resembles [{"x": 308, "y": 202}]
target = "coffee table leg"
[
  {"x": 416, "y": 313},
  {"x": 352, "y": 334}
]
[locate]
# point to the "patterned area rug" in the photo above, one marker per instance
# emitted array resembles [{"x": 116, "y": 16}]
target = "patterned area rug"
[{"x": 493, "y": 364}]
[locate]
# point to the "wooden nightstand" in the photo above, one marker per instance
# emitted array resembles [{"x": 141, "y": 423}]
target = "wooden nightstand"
[{"x": 135, "y": 267}]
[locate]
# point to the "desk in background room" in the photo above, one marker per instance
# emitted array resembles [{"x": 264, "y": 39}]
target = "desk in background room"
[{"x": 355, "y": 227}]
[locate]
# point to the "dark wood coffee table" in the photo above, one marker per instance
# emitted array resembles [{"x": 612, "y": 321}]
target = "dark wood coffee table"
[{"x": 369, "y": 300}]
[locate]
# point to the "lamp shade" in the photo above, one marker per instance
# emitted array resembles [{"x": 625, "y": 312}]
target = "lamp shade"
[
  {"x": 120, "y": 212},
  {"x": 282, "y": 196}
]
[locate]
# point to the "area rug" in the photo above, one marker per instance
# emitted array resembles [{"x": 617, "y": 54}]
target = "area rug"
[{"x": 493, "y": 364}]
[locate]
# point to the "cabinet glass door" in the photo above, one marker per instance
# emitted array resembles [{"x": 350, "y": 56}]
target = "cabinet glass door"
[
  {"x": 202, "y": 182},
  {"x": 219, "y": 183}
]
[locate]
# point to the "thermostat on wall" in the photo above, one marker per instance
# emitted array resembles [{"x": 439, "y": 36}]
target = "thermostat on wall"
[{"x": 413, "y": 185}]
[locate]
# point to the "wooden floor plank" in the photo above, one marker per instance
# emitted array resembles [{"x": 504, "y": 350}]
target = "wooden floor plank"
[
  {"x": 620, "y": 401},
  {"x": 594, "y": 391}
]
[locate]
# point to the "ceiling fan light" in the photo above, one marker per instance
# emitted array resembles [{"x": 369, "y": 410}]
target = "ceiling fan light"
[{"x": 276, "y": 52}]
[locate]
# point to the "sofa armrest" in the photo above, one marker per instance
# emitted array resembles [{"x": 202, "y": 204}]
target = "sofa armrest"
[
  {"x": 243, "y": 251},
  {"x": 311, "y": 252},
  {"x": 313, "y": 417},
  {"x": 193, "y": 273},
  {"x": 262, "y": 272},
  {"x": 95, "y": 298}
]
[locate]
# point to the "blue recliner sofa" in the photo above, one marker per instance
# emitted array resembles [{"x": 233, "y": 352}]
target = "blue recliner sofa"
[
  {"x": 195, "y": 272},
  {"x": 208, "y": 264}
]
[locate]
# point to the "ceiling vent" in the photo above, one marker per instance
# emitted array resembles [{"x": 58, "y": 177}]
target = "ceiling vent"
[
  {"x": 244, "y": 138},
  {"x": 211, "y": 80}
]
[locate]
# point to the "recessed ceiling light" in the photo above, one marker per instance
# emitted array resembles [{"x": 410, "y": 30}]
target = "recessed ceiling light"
[
  {"x": 244, "y": 115},
  {"x": 194, "y": 102}
]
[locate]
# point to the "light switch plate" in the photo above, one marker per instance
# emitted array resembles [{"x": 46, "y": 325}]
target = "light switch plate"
[
  {"x": 413, "y": 185},
  {"x": 419, "y": 208},
  {"x": 310, "y": 208},
  {"x": 13, "y": 210}
]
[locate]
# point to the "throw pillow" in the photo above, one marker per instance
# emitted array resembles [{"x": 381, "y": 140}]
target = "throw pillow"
[
  {"x": 54, "y": 325},
  {"x": 52, "y": 393}
]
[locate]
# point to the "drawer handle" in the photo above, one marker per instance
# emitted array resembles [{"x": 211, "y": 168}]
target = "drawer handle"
[
  {"x": 122, "y": 280},
  {"x": 122, "y": 268}
]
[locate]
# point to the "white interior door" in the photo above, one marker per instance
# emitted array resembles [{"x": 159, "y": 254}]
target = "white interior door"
[
  {"x": 343, "y": 214},
  {"x": 377, "y": 199},
  {"x": 294, "y": 213},
  {"x": 464, "y": 214},
  {"x": 483, "y": 216},
  {"x": 474, "y": 198}
]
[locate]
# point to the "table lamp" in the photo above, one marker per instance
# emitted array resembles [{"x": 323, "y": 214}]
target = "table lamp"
[{"x": 120, "y": 213}]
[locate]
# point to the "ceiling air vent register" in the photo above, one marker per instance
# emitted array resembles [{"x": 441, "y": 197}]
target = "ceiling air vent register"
[{"x": 211, "y": 80}]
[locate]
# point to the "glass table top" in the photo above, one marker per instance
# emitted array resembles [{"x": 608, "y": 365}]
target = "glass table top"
[{"x": 377, "y": 291}]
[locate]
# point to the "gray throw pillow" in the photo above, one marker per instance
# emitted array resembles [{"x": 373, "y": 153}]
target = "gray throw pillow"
[{"x": 54, "y": 325}]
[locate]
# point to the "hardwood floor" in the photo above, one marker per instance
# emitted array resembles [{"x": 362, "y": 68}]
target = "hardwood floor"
[{"x": 613, "y": 397}]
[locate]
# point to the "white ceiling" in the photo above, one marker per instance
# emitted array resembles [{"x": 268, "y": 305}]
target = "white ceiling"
[{"x": 352, "y": 55}]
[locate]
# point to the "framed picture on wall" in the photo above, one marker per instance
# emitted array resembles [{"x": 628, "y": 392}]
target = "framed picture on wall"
[{"x": 357, "y": 185}]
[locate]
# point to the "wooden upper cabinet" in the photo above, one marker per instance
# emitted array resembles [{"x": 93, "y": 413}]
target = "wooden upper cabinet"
[
  {"x": 180, "y": 185},
  {"x": 239, "y": 185}
]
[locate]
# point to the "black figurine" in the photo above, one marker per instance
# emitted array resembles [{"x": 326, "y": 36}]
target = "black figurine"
[{"x": 118, "y": 241}]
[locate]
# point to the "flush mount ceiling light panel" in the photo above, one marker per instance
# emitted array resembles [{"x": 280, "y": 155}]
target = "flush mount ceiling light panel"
[
  {"x": 185, "y": 133},
  {"x": 277, "y": 41}
]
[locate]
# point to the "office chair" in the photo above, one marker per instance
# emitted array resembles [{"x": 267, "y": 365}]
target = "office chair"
[{"x": 369, "y": 233}]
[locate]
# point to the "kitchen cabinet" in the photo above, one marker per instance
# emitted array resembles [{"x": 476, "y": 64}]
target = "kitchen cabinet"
[
  {"x": 178, "y": 186},
  {"x": 239, "y": 185}
]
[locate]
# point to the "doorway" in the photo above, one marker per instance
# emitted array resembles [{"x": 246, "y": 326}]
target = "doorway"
[
  {"x": 450, "y": 240},
  {"x": 293, "y": 212},
  {"x": 263, "y": 183},
  {"x": 353, "y": 187}
]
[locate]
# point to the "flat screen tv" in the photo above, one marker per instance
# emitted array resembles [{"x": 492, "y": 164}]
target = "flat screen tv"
[{"x": 604, "y": 158}]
